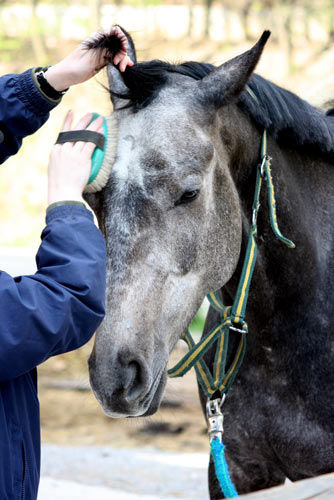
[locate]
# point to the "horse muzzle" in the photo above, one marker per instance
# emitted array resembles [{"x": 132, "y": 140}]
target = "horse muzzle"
[{"x": 125, "y": 386}]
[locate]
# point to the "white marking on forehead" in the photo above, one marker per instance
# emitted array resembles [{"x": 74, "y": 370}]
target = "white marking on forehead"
[
  {"x": 164, "y": 127},
  {"x": 127, "y": 164}
]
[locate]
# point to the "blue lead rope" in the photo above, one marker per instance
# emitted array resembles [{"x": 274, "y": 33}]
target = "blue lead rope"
[{"x": 223, "y": 476}]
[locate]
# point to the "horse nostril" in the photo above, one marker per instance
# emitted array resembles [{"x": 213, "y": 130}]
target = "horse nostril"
[
  {"x": 134, "y": 383},
  {"x": 132, "y": 373},
  {"x": 134, "y": 378}
]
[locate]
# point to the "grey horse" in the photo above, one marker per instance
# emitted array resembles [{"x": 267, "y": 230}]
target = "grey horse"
[{"x": 176, "y": 215}]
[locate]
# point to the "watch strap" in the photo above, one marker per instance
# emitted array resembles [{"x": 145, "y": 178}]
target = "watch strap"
[{"x": 48, "y": 90}]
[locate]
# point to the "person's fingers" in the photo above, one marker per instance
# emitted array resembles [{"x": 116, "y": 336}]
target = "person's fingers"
[
  {"x": 67, "y": 121},
  {"x": 119, "y": 56},
  {"x": 94, "y": 126},
  {"x": 83, "y": 122},
  {"x": 124, "y": 63},
  {"x": 124, "y": 44},
  {"x": 100, "y": 58}
]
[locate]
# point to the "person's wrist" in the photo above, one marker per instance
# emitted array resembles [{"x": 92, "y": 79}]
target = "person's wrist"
[
  {"x": 58, "y": 77},
  {"x": 55, "y": 196}
]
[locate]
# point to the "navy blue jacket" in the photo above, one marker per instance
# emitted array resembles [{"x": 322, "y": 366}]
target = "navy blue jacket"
[{"x": 51, "y": 312}]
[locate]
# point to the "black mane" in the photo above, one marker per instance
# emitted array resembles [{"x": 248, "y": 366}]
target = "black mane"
[
  {"x": 145, "y": 79},
  {"x": 289, "y": 119}
]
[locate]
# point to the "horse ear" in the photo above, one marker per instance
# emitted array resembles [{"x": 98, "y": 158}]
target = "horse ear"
[
  {"x": 116, "y": 83},
  {"x": 116, "y": 86},
  {"x": 131, "y": 49},
  {"x": 110, "y": 44},
  {"x": 225, "y": 83}
]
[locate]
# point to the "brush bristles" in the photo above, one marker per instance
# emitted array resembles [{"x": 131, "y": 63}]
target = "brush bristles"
[{"x": 109, "y": 157}]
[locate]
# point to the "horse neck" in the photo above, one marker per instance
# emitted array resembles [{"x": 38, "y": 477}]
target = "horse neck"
[{"x": 280, "y": 280}]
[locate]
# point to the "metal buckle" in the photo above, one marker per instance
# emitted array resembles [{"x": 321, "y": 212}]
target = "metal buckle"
[
  {"x": 262, "y": 165},
  {"x": 240, "y": 330},
  {"x": 266, "y": 158},
  {"x": 215, "y": 418},
  {"x": 255, "y": 212}
]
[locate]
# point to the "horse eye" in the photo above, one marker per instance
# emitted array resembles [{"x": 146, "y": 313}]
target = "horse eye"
[{"x": 187, "y": 197}]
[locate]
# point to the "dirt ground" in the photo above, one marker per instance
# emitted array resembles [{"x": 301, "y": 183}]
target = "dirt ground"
[{"x": 70, "y": 414}]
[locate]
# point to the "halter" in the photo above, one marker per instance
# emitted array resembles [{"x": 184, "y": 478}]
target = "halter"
[{"x": 232, "y": 318}]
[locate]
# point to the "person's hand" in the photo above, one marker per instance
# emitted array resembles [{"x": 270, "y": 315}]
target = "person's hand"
[
  {"x": 70, "y": 163},
  {"x": 83, "y": 64},
  {"x": 121, "y": 57}
]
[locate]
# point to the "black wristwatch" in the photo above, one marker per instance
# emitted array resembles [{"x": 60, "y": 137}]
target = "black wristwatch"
[{"x": 46, "y": 87}]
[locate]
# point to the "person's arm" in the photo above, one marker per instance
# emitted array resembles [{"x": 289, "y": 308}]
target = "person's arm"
[
  {"x": 25, "y": 102},
  {"x": 60, "y": 307},
  {"x": 23, "y": 110}
]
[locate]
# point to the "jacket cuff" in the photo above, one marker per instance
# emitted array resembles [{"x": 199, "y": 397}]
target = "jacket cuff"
[
  {"x": 37, "y": 84},
  {"x": 67, "y": 210},
  {"x": 66, "y": 202},
  {"x": 31, "y": 96}
]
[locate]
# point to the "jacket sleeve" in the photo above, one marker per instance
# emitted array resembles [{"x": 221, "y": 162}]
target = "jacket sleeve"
[
  {"x": 59, "y": 307},
  {"x": 23, "y": 110}
]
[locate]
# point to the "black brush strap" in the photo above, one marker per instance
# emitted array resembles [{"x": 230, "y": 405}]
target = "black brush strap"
[{"x": 82, "y": 135}]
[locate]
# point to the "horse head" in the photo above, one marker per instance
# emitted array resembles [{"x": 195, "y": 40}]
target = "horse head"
[{"x": 171, "y": 217}]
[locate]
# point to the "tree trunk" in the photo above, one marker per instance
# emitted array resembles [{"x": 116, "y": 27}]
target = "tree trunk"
[
  {"x": 226, "y": 22},
  {"x": 270, "y": 17},
  {"x": 288, "y": 28},
  {"x": 37, "y": 39},
  {"x": 190, "y": 17},
  {"x": 245, "y": 12},
  {"x": 207, "y": 26},
  {"x": 307, "y": 18}
]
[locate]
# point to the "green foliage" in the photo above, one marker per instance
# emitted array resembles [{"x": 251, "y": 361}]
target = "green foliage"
[
  {"x": 7, "y": 44},
  {"x": 197, "y": 323},
  {"x": 8, "y": 47}
]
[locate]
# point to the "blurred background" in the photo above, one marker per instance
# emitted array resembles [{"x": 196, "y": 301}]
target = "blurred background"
[{"x": 299, "y": 56}]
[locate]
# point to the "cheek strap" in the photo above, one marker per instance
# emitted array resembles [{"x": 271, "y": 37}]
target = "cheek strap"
[{"x": 82, "y": 136}]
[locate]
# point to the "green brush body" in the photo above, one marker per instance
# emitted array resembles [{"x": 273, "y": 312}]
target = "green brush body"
[{"x": 103, "y": 160}]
